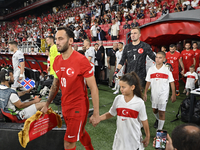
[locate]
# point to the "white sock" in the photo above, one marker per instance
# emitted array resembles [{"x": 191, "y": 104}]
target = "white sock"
[
  {"x": 160, "y": 124},
  {"x": 116, "y": 83},
  {"x": 157, "y": 116}
]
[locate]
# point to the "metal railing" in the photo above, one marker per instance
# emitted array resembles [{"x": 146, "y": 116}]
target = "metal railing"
[{"x": 25, "y": 47}]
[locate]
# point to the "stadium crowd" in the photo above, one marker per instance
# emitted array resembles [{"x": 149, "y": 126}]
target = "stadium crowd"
[{"x": 84, "y": 18}]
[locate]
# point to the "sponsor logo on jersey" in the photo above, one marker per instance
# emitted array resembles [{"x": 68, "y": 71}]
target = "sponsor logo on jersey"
[
  {"x": 70, "y": 72},
  {"x": 134, "y": 49},
  {"x": 124, "y": 119},
  {"x": 140, "y": 50}
]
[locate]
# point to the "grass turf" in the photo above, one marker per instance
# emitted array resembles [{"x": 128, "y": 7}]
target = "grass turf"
[{"x": 102, "y": 135}]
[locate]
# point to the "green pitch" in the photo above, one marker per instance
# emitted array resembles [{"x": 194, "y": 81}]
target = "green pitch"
[{"x": 103, "y": 134}]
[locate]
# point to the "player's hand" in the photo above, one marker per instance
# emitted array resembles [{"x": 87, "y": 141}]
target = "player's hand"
[
  {"x": 169, "y": 145},
  {"x": 94, "y": 119},
  {"x": 20, "y": 78},
  {"x": 145, "y": 97},
  {"x": 44, "y": 109},
  {"x": 173, "y": 98},
  {"x": 108, "y": 66},
  {"x": 37, "y": 99},
  {"x": 146, "y": 142},
  {"x": 29, "y": 90}
]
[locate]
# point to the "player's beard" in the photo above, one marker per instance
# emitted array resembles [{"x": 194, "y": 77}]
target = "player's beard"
[{"x": 64, "y": 48}]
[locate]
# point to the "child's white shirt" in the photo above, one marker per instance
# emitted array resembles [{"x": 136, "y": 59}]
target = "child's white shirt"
[
  {"x": 159, "y": 79},
  {"x": 128, "y": 134},
  {"x": 191, "y": 77}
]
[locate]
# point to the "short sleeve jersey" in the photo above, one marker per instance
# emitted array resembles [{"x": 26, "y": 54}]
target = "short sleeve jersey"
[
  {"x": 197, "y": 55},
  {"x": 129, "y": 114},
  {"x": 159, "y": 79},
  {"x": 187, "y": 57},
  {"x": 90, "y": 53},
  {"x": 71, "y": 73},
  {"x": 52, "y": 54},
  {"x": 198, "y": 71},
  {"x": 112, "y": 55},
  {"x": 191, "y": 77},
  {"x": 136, "y": 58},
  {"x": 173, "y": 59},
  {"x": 17, "y": 58}
]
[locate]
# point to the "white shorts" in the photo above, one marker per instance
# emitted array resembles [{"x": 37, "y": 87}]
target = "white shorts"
[
  {"x": 161, "y": 107},
  {"x": 28, "y": 112}
]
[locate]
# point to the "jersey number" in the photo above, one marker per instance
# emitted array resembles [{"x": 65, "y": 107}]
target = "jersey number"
[
  {"x": 185, "y": 57},
  {"x": 171, "y": 61},
  {"x": 63, "y": 82}
]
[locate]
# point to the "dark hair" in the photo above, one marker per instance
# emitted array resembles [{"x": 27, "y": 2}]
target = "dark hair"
[
  {"x": 162, "y": 53},
  {"x": 13, "y": 43},
  {"x": 192, "y": 66},
  {"x": 121, "y": 43},
  {"x": 3, "y": 74},
  {"x": 194, "y": 43},
  {"x": 68, "y": 31},
  {"x": 133, "y": 79},
  {"x": 171, "y": 45},
  {"x": 187, "y": 42},
  {"x": 96, "y": 44},
  {"x": 50, "y": 37},
  {"x": 164, "y": 46},
  {"x": 184, "y": 140}
]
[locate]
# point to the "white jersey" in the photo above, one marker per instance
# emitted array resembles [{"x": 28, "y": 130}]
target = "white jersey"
[
  {"x": 191, "y": 77},
  {"x": 198, "y": 72},
  {"x": 118, "y": 58},
  {"x": 17, "y": 57},
  {"x": 149, "y": 62},
  {"x": 128, "y": 134},
  {"x": 159, "y": 79},
  {"x": 90, "y": 53}
]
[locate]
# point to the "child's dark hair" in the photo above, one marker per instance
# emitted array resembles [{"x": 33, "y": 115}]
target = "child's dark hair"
[
  {"x": 133, "y": 79},
  {"x": 162, "y": 53}
]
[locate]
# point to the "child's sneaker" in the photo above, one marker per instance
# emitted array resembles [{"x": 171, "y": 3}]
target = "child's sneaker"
[{"x": 113, "y": 89}]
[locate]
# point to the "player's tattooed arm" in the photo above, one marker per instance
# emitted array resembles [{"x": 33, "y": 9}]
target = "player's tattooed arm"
[{"x": 54, "y": 90}]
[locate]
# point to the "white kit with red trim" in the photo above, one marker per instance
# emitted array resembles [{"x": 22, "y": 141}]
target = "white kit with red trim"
[
  {"x": 191, "y": 77},
  {"x": 159, "y": 79},
  {"x": 128, "y": 134}
]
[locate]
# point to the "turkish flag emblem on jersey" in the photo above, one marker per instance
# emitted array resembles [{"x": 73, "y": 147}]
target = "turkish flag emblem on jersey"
[
  {"x": 140, "y": 50},
  {"x": 70, "y": 72}
]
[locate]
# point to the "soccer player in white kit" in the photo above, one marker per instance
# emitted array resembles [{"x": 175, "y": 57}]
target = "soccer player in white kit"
[
  {"x": 159, "y": 76},
  {"x": 192, "y": 78},
  {"x": 121, "y": 72},
  {"x": 131, "y": 112},
  {"x": 198, "y": 73},
  {"x": 18, "y": 64},
  {"x": 89, "y": 54}
]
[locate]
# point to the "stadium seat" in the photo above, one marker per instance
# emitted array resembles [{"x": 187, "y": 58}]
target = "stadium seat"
[
  {"x": 121, "y": 32},
  {"x": 126, "y": 31},
  {"x": 146, "y": 20},
  {"x": 153, "y": 19},
  {"x": 129, "y": 22},
  {"x": 140, "y": 21},
  {"x": 123, "y": 23},
  {"x": 120, "y": 27},
  {"x": 122, "y": 37},
  {"x": 147, "y": 16},
  {"x": 159, "y": 14}
]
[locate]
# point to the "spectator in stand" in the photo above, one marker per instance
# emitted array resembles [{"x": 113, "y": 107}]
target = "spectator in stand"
[
  {"x": 76, "y": 34},
  {"x": 117, "y": 21},
  {"x": 100, "y": 35},
  {"x": 134, "y": 24},
  {"x": 114, "y": 30},
  {"x": 75, "y": 47},
  {"x": 109, "y": 30},
  {"x": 82, "y": 35},
  {"x": 152, "y": 13},
  {"x": 165, "y": 10},
  {"x": 133, "y": 7},
  {"x": 101, "y": 20},
  {"x": 177, "y": 8},
  {"x": 93, "y": 32},
  {"x": 186, "y": 2},
  {"x": 172, "y": 5},
  {"x": 195, "y": 3},
  {"x": 126, "y": 25},
  {"x": 32, "y": 50},
  {"x": 127, "y": 16},
  {"x": 140, "y": 15}
]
